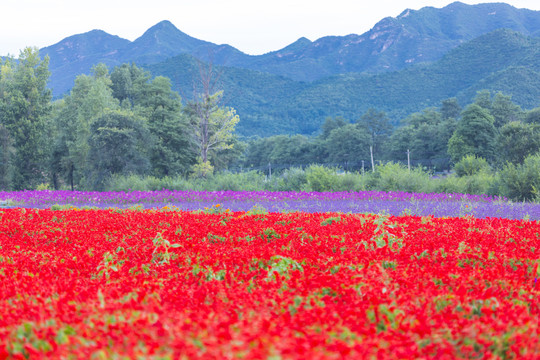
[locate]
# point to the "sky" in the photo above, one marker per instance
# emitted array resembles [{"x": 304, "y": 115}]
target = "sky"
[{"x": 252, "y": 26}]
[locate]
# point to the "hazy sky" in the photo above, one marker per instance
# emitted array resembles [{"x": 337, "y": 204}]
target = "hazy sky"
[{"x": 252, "y": 26}]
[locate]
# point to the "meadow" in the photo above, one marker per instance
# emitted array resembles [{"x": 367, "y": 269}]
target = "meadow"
[{"x": 261, "y": 275}]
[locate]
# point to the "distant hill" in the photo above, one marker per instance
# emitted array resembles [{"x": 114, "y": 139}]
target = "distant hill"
[
  {"x": 414, "y": 37},
  {"x": 392, "y": 44},
  {"x": 503, "y": 60},
  {"x": 401, "y": 66}
]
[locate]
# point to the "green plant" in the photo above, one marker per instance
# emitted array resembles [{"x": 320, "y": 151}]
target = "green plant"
[
  {"x": 161, "y": 254},
  {"x": 320, "y": 178},
  {"x": 202, "y": 169},
  {"x": 396, "y": 177},
  {"x": 471, "y": 165},
  {"x": 520, "y": 182}
]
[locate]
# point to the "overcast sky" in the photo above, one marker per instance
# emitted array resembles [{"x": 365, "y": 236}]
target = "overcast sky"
[{"x": 252, "y": 26}]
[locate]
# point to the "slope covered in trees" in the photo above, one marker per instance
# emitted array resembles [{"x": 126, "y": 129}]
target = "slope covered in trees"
[{"x": 503, "y": 60}]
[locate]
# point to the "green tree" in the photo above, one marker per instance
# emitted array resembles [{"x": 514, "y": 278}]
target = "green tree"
[
  {"x": 24, "y": 104},
  {"x": 474, "y": 135},
  {"x": 471, "y": 165},
  {"x": 129, "y": 84},
  {"x": 377, "y": 125},
  {"x": 212, "y": 125},
  {"x": 426, "y": 136},
  {"x": 7, "y": 152},
  {"x": 517, "y": 140},
  {"x": 532, "y": 116},
  {"x": 521, "y": 182},
  {"x": 450, "y": 109},
  {"x": 172, "y": 153},
  {"x": 288, "y": 151},
  {"x": 90, "y": 98},
  {"x": 331, "y": 124},
  {"x": 348, "y": 143},
  {"x": 119, "y": 144},
  {"x": 483, "y": 99},
  {"x": 504, "y": 110}
]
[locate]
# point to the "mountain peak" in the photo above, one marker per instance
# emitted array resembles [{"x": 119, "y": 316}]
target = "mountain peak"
[
  {"x": 163, "y": 25},
  {"x": 161, "y": 41}
]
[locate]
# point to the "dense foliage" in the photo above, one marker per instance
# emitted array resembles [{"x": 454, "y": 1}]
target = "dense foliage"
[
  {"x": 503, "y": 60},
  {"x": 123, "y": 123}
]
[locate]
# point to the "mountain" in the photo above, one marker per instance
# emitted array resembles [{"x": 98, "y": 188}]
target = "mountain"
[
  {"x": 413, "y": 37},
  {"x": 77, "y": 54},
  {"x": 394, "y": 43},
  {"x": 503, "y": 60}
]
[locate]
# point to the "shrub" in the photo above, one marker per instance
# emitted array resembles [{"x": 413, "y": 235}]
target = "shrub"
[
  {"x": 471, "y": 165},
  {"x": 397, "y": 177},
  {"x": 479, "y": 183},
  {"x": 520, "y": 182},
  {"x": 130, "y": 182},
  {"x": 293, "y": 179},
  {"x": 202, "y": 169},
  {"x": 350, "y": 182},
  {"x": 248, "y": 181},
  {"x": 320, "y": 178}
]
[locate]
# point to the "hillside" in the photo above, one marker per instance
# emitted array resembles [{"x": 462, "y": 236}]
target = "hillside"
[
  {"x": 412, "y": 38},
  {"x": 502, "y": 60}
]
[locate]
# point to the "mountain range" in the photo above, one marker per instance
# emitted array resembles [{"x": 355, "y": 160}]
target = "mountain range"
[{"x": 401, "y": 65}]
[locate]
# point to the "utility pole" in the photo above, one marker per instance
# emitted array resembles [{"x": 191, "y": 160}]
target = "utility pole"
[
  {"x": 372, "y": 162},
  {"x": 409, "y": 160},
  {"x": 362, "y": 167},
  {"x": 269, "y": 171}
]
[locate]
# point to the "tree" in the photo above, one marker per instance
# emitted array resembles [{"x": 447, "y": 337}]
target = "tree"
[
  {"x": 348, "y": 143},
  {"x": 24, "y": 104},
  {"x": 287, "y": 150},
  {"x": 532, "y": 116},
  {"x": 90, "y": 98},
  {"x": 118, "y": 145},
  {"x": 474, "y": 135},
  {"x": 521, "y": 182},
  {"x": 450, "y": 109},
  {"x": 172, "y": 152},
  {"x": 331, "y": 124},
  {"x": 517, "y": 140},
  {"x": 378, "y": 126},
  {"x": 471, "y": 165},
  {"x": 7, "y": 152},
  {"x": 504, "y": 110},
  {"x": 483, "y": 99},
  {"x": 128, "y": 84},
  {"x": 426, "y": 136},
  {"x": 212, "y": 124}
]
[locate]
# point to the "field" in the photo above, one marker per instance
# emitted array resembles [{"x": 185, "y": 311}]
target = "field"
[
  {"x": 392, "y": 203},
  {"x": 165, "y": 283}
]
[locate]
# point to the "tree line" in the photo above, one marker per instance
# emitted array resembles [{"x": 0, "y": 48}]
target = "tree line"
[
  {"x": 122, "y": 121},
  {"x": 112, "y": 122},
  {"x": 492, "y": 127}
]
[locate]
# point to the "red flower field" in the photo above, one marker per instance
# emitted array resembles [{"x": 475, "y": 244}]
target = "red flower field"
[{"x": 113, "y": 284}]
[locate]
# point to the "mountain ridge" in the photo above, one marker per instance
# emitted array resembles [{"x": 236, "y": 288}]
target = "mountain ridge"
[
  {"x": 503, "y": 60},
  {"x": 414, "y": 36}
]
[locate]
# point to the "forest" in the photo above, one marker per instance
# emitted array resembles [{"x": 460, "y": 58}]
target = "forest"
[{"x": 122, "y": 129}]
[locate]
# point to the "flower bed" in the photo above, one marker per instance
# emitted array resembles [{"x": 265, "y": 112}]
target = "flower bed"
[
  {"x": 172, "y": 284},
  {"x": 394, "y": 203}
]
